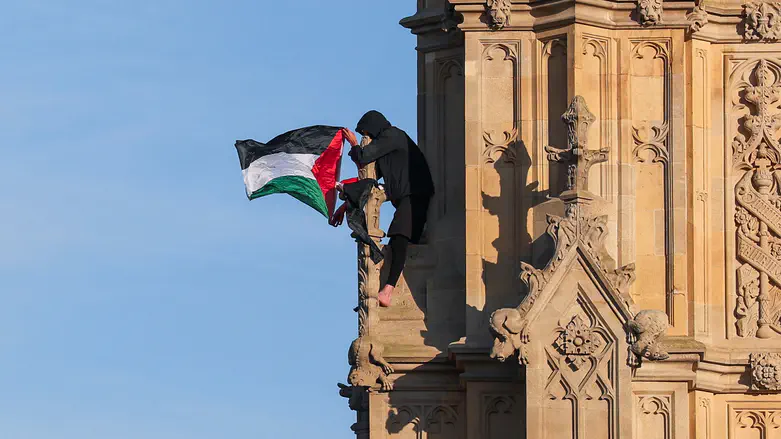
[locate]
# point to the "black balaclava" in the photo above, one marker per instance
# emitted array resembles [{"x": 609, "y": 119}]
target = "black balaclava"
[{"x": 372, "y": 123}]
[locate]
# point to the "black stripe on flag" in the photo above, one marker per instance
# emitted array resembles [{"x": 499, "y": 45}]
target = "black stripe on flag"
[{"x": 309, "y": 140}]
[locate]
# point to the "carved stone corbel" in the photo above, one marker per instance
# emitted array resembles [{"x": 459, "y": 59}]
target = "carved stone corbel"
[
  {"x": 358, "y": 400},
  {"x": 498, "y": 13},
  {"x": 643, "y": 334},
  {"x": 450, "y": 18},
  {"x": 697, "y": 18},
  {"x": 649, "y": 12}
]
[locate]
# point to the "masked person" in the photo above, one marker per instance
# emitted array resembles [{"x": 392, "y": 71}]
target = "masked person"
[{"x": 407, "y": 182}]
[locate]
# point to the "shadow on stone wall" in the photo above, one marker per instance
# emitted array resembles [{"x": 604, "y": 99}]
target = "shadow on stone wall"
[
  {"x": 411, "y": 410},
  {"x": 514, "y": 242}
]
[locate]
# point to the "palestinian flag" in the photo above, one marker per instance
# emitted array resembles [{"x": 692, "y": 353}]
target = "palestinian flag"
[{"x": 303, "y": 163}]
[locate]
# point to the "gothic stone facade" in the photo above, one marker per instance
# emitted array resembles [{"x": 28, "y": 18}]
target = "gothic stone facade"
[{"x": 604, "y": 252}]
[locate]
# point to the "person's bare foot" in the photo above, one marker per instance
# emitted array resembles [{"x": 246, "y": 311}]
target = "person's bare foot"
[{"x": 385, "y": 296}]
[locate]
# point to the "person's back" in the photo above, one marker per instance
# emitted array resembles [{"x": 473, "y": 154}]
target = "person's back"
[{"x": 399, "y": 160}]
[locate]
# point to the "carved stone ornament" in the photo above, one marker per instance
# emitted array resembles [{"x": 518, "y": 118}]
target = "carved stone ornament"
[
  {"x": 450, "y": 18},
  {"x": 498, "y": 12},
  {"x": 643, "y": 334},
  {"x": 578, "y": 342},
  {"x": 509, "y": 326},
  {"x": 758, "y": 205},
  {"x": 577, "y": 157},
  {"x": 649, "y": 12},
  {"x": 765, "y": 371},
  {"x": 761, "y": 21},
  {"x": 367, "y": 366},
  {"x": 697, "y": 18},
  {"x": 358, "y": 400}
]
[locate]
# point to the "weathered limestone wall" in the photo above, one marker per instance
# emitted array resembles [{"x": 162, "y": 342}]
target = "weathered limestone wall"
[{"x": 686, "y": 104}]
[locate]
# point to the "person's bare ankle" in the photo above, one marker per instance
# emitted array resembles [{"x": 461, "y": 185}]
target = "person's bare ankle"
[{"x": 385, "y": 296}]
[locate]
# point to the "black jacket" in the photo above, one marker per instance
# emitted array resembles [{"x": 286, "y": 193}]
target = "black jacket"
[{"x": 399, "y": 160}]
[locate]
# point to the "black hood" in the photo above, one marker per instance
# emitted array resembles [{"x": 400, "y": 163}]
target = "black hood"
[{"x": 373, "y": 123}]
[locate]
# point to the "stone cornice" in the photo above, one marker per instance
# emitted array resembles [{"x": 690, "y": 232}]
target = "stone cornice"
[
  {"x": 437, "y": 27},
  {"x": 723, "y": 20}
]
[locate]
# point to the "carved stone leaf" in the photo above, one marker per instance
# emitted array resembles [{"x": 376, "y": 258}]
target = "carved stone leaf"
[
  {"x": 654, "y": 142},
  {"x": 697, "y": 18},
  {"x": 758, "y": 203}
]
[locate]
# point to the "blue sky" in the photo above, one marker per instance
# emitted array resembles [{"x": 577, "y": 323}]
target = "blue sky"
[{"x": 141, "y": 294}]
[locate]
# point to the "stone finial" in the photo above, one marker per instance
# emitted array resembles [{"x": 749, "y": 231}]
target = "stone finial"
[
  {"x": 649, "y": 12},
  {"x": 643, "y": 334},
  {"x": 762, "y": 21},
  {"x": 498, "y": 12},
  {"x": 765, "y": 371},
  {"x": 578, "y": 158}
]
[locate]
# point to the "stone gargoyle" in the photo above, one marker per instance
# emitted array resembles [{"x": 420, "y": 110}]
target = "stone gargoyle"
[
  {"x": 367, "y": 367},
  {"x": 508, "y": 325},
  {"x": 643, "y": 334}
]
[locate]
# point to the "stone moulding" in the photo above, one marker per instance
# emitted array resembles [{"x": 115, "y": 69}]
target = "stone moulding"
[{"x": 765, "y": 371}]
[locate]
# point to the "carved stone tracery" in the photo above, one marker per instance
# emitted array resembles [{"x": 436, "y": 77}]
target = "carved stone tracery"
[{"x": 757, "y": 152}]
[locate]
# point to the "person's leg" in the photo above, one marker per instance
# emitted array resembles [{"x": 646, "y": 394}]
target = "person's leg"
[
  {"x": 419, "y": 205},
  {"x": 400, "y": 232},
  {"x": 398, "y": 245}
]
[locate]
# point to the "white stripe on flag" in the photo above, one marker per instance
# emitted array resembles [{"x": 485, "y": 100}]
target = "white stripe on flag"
[{"x": 281, "y": 164}]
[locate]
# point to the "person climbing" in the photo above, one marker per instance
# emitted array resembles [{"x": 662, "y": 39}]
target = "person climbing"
[{"x": 407, "y": 183}]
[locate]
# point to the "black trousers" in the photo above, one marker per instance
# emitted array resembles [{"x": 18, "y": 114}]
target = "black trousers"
[{"x": 407, "y": 226}]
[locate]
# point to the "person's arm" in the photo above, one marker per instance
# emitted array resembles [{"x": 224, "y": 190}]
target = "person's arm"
[
  {"x": 338, "y": 216},
  {"x": 373, "y": 151}
]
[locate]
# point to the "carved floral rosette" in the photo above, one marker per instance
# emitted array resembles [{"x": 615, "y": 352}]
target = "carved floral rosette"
[
  {"x": 757, "y": 154},
  {"x": 765, "y": 371}
]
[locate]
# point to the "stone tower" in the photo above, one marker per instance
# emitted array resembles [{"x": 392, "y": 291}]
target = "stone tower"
[{"x": 603, "y": 257}]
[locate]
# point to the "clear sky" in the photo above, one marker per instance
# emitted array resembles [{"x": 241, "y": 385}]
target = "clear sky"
[{"x": 141, "y": 295}]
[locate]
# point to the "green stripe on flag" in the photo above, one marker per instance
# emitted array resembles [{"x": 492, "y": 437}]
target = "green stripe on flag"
[{"x": 304, "y": 189}]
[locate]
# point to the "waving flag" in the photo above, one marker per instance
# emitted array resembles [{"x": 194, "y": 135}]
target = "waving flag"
[{"x": 303, "y": 163}]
